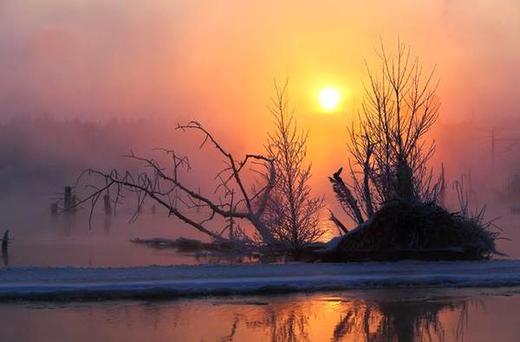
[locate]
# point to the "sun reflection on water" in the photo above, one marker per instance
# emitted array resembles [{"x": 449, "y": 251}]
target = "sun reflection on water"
[{"x": 374, "y": 315}]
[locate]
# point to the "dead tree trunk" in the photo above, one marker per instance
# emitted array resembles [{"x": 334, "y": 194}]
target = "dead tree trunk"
[
  {"x": 5, "y": 246},
  {"x": 107, "y": 204},
  {"x": 67, "y": 199},
  {"x": 346, "y": 198}
]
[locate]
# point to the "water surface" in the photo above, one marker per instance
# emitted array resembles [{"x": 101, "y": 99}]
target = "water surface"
[{"x": 370, "y": 315}]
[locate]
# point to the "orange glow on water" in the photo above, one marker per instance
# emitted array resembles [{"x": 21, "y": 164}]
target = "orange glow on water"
[{"x": 379, "y": 315}]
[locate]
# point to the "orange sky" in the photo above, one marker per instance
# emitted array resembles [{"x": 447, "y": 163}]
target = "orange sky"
[{"x": 215, "y": 61}]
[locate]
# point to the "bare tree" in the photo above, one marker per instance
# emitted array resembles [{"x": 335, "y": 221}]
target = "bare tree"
[
  {"x": 232, "y": 200},
  {"x": 387, "y": 146},
  {"x": 293, "y": 211}
]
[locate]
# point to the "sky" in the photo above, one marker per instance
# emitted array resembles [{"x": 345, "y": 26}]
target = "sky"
[{"x": 216, "y": 61}]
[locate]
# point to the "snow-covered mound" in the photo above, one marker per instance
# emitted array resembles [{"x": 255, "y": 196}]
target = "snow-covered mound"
[{"x": 177, "y": 281}]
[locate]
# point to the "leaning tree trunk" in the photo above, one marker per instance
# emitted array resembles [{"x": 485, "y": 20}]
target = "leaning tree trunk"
[{"x": 405, "y": 187}]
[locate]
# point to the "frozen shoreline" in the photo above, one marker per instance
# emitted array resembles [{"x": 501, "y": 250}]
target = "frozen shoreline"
[{"x": 70, "y": 283}]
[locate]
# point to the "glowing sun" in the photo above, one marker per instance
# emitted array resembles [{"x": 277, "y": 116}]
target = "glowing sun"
[{"x": 329, "y": 98}]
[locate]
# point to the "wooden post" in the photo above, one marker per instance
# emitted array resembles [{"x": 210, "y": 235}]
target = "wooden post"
[
  {"x": 108, "y": 205},
  {"x": 5, "y": 244},
  {"x": 67, "y": 199}
]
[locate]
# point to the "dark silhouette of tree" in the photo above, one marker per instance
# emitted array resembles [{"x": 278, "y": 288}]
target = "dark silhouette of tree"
[
  {"x": 393, "y": 196},
  {"x": 388, "y": 147}
]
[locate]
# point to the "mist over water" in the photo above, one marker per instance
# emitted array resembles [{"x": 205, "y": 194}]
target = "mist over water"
[
  {"x": 42, "y": 155},
  {"x": 85, "y": 82}
]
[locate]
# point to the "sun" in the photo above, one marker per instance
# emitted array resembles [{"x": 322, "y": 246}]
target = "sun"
[{"x": 329, "y": 98}]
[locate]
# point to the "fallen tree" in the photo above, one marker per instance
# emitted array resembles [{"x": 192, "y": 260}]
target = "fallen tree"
[
  {"x": 232, "y": 199},
  {"x": 259, "y": 200},
  {"x": 186, "y": 245}
]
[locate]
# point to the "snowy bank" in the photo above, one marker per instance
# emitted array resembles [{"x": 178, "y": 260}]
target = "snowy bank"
[{"x": 71, "y": 283}]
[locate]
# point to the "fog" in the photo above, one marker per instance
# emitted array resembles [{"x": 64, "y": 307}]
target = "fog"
[{"x": 82, "y": 82}]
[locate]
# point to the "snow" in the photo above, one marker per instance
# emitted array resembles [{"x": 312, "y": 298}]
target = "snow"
[
  {"x": 70, "y": 283},
  {"x": 333, "y": 243}
]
